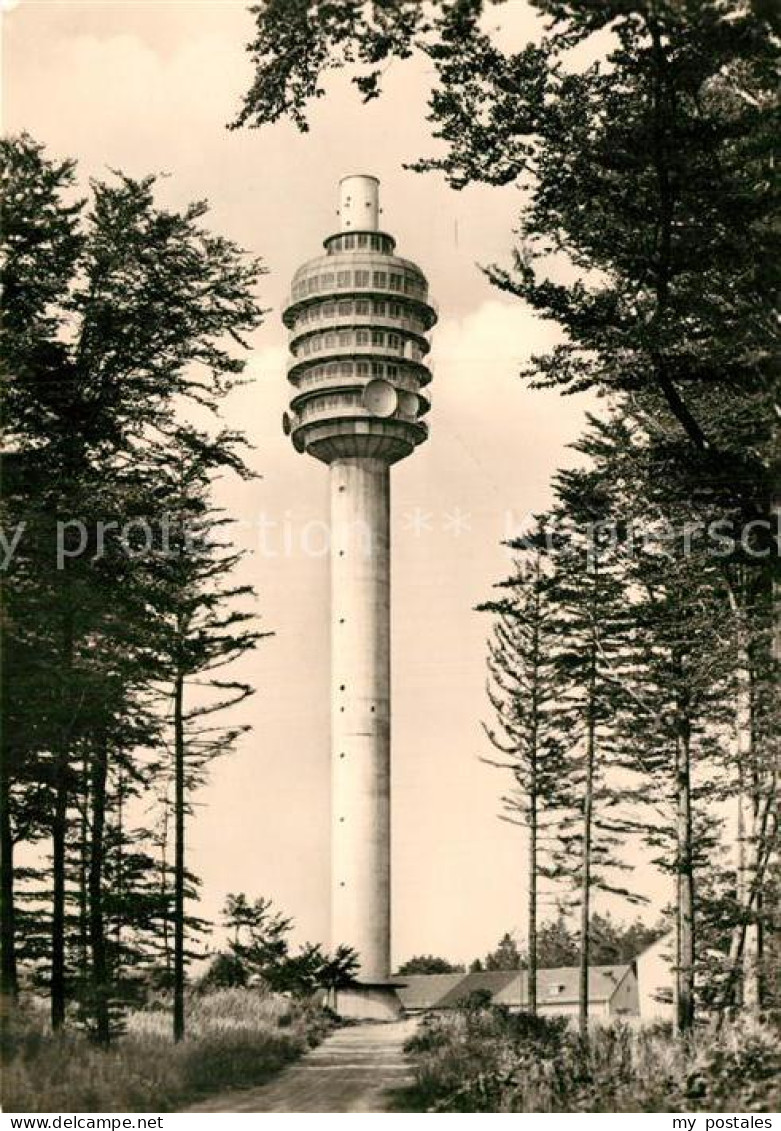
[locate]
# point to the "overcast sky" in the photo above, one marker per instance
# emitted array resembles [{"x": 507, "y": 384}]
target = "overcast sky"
[{"x": 148, "y": 87}]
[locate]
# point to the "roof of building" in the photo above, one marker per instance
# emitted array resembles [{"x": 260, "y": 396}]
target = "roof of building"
[
  {"x": 508, "y": 987},
  {"x": 562, "y": 983},
  {"x": 494, "y": 981},
  {"x": 665, "y": 940},
  {"x": 425, "y": 991}
]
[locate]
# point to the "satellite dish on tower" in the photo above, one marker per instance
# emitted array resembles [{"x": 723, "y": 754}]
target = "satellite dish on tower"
[
  {"x": 287, "y": 423},
  {"x": 380, "y": 398},
  {"x": 409, "y": 404}
]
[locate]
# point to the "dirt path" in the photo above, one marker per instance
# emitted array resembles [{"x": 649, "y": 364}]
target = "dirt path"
[{"x": 353, "y": 1070}]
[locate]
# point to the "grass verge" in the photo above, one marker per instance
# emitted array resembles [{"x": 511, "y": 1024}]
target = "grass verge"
[
  {"x": 488, "y": 1060},
  {"x": 235, "y": 1039}
]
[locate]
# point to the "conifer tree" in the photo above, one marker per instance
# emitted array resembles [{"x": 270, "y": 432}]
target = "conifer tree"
[
  {"x": 522, "y": 689},
  {"x": 588, "y": 594},
  {"x": 203, "y": 628},
  {"x": 260, "y": 947},
  {"x": 119, "y": 314},
  {"x": 558, "y": 944},
  {"x": 506, "y": 955},
  {"x": 672, "y": 709}
]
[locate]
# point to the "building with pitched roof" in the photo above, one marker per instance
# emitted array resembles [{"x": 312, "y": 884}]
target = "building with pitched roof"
[{"x": 612, "y": 990}]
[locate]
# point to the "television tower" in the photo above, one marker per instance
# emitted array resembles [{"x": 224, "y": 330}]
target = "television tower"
[{"x": 358, "y": 317}]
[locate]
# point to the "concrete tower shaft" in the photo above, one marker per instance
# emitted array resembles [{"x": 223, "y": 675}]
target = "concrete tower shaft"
[
  {"x": 359, "y": 318},
  {"x": 360, "y": 711}
]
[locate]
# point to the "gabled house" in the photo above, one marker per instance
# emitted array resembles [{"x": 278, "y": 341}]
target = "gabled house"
[
  {"x": 419, "y": 992},
  {"x": 612, "y": 990}
]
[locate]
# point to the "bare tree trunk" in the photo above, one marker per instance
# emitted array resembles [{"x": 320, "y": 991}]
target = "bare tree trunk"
[
  {"x": 775, "y": 515},
  {"x": 585, "y": 904},
  {"x": 533, "y": 801},
  {"x": 9, "y": 980},
  {"x": 747, "y": 990},
  {"x": 761, "y": 851},
  {"x": 59, "y": 833},
  {"x": 119, "y": 885},
  {"x": 59, "y": 827},
  {"x": 100, "y": 987},
  {"x": 741, "y": 884},
  {"x": 84, "y": 867},
  {"x": 752, "y": 947},
  {"x": 588, "y": 825},
  {"x": 532, "y": 941},
  {"x": 179, "y": 802},
  {"x": 685, "y": 997},
  {"x": 678, "y": 933},
  {"x": 748, "y": 802},
  {"x": 167, "y": 957}
]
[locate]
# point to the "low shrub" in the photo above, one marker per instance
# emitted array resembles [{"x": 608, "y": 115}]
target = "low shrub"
[
  {"x": 235, "y": 1038},
  {"x": 740, "y": 1071},
  {"x": 488, "y": 1060}
]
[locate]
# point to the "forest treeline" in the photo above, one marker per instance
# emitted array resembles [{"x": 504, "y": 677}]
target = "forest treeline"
[
  {"x": 610, "y": 942},
  {"x": 634, "y": 658},
  {"x": 632, "y": 681},
  {"x": 124, "y": 328}
]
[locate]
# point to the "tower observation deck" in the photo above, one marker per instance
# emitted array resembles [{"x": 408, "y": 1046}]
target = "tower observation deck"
[{"x": 359, "y": 318}]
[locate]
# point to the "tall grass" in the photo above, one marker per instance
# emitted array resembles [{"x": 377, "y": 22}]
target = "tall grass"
[
  {"x": 236, "y": 1038},
  {"x": 487, "y": 1060}
]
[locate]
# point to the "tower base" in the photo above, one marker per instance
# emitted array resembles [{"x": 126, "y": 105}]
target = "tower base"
[{"x": 369, "y": 1001}]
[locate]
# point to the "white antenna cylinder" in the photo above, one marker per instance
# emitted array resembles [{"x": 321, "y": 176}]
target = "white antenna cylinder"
[{"x": 359, "y": 204}]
